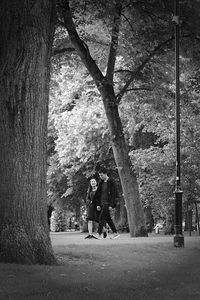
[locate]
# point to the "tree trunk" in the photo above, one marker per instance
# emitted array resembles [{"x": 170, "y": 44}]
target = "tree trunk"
[
  {"x": 26, "y": 39},
  {"x": 123, "y": 220},
  {"x": 149, "y": 218},
  {"x": 127, "y": 176},
  {"x": 105, "y": 86},
  {"x": 169, "y": 228},
  {"x": 188, "y": 219}
]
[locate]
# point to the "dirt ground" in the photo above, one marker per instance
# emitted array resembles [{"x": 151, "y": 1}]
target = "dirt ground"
[{"x": 122, "y": 269}]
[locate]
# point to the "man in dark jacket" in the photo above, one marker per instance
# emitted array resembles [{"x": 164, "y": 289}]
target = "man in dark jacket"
[{"x": 106, "y": 194}]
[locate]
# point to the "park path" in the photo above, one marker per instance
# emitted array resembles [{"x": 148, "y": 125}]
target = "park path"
[{"x": 128, "y": 268}]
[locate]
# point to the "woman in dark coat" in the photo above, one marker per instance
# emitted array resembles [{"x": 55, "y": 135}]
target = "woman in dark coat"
[{"x": 92, "y": 203}]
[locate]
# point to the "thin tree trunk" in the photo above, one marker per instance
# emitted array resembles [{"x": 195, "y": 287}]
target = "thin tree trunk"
[
  {"x": 197, "y": 217},
  {"x": 149, "y": 218},
  {"x": 123, "y": 220},
  {"x": 26, "y": 39},
  {"x": 127, "y": 176}
]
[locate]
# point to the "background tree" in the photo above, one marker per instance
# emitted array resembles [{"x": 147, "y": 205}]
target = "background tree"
[
  {"x": 26, "y": 38},
  {"x": 146, "y": 109},
  {"x": 106, "y": 89}
]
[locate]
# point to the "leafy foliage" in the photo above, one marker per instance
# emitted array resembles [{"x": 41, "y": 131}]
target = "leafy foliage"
[{"x": 78, "y": 132}]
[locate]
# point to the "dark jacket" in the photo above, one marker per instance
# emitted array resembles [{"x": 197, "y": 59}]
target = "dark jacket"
[
  {"x": 112, "y": 193},
  {"x": 89, "y": 201}
]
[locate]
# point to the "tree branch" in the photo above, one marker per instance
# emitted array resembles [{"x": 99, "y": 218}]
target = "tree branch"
[
  {"x": 80, "y": 46},
  {"x": 135, "y": 73},
  {"x": 123, "y": 15},
  {"x": 62, "y": 50},
  {"x": 114, "y": 43},
  {"x": 141, "y": 67},
  {"x": 124, "y": 70},
  {"x": 139, "y": 89}
]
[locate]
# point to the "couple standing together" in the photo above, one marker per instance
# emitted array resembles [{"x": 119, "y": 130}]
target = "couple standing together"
[{"x": 100, "y": 199}]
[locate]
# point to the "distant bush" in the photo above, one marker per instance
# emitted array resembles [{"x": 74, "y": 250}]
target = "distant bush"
[{"x": 58, "y": 220}]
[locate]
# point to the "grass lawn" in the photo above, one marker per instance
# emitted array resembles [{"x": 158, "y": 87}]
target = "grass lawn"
[{"x": 125, "y": 268}]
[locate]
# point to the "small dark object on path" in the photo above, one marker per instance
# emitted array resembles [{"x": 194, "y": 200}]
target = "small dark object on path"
[{"x": 91, "y": 237}]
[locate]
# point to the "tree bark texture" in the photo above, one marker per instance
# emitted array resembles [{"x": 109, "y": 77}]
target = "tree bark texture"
[{"x": 26, "y": 38}]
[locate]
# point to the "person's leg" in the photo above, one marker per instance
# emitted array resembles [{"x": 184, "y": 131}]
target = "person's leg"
[
  {"x": 110, "y": 223},
  {"x": 102, "y": 218},
  {"x": 105, "y": 231},
  {"x": 90, "y": 227},
  {"x": 90, "y": 230},
  {"x": 112, "y": 226},
  {"x": 90, "y": 216}
]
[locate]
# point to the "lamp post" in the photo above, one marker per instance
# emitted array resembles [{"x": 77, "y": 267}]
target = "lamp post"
[{"x": 178, "y": 238}]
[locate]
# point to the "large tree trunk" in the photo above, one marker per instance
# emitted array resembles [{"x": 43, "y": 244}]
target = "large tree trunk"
[{"x": 26, "y": 39}]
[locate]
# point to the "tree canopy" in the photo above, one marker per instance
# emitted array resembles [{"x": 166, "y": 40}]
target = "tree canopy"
[{"x": 144, "y": 85}]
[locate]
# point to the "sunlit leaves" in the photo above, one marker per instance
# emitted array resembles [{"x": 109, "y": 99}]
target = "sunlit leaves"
[
  {"x": 78, "y": 117},
  {"x": 147, "y": 110}
]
